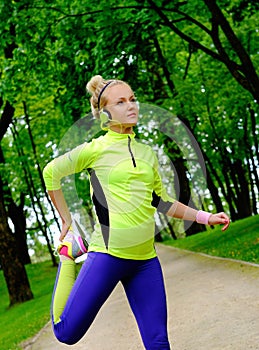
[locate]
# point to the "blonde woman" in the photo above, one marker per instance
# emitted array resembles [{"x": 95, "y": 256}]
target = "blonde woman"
[{"x": 126, "y": 191}]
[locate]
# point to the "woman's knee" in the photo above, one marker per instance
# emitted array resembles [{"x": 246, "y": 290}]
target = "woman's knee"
[{"x": 67, "y": 335}]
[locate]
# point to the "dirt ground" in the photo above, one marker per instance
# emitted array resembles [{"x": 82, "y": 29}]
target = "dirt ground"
[{"x": 213, "y": 304}]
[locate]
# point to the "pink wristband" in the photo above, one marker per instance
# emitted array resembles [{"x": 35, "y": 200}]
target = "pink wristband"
[{"x": 202, "y": 217}]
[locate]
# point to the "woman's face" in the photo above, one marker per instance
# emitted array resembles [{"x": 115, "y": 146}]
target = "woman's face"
[{"x": 122, "y": 105}]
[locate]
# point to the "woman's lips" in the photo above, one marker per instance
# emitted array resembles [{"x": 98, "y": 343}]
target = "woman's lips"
[{"x": 132, "y": 115}]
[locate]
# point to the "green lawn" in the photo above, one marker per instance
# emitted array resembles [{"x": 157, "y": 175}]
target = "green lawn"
[
  {"x": 240, "y": 241},
  {"x": 22, "y": 321}
]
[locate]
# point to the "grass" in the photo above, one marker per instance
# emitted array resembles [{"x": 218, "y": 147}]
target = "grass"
[
  {"x": 240, "y": 241},
  {"x": 21, "y": 322}
]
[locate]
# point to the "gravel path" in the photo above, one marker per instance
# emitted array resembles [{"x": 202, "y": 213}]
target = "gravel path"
[{"x": 213, "y": 304}]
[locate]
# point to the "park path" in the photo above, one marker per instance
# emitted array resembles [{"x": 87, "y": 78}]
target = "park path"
[{"x": 213, "y": 304}]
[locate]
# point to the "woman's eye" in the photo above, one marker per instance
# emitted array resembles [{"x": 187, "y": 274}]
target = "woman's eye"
[{"x": 122, "y": 102}]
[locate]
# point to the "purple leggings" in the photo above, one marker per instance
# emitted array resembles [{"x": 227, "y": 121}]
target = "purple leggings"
[{"x": 144, "y": 287}]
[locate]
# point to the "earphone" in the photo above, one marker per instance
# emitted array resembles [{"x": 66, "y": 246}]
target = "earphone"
[{"x": 105, "y": 117}]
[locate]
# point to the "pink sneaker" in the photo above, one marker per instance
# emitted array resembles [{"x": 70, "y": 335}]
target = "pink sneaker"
[{"x": 73, "y": 245}]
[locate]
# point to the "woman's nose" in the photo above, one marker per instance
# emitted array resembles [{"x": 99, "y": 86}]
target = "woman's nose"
[{"x": 131, "y": 104}]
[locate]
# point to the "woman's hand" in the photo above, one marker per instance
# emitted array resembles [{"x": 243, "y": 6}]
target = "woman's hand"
[
  {"x": 219, "y": 218},
  {"x": 65, "y": 228}
]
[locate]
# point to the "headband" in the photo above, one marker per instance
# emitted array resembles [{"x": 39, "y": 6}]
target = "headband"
[{"x": 101, "y": 92}]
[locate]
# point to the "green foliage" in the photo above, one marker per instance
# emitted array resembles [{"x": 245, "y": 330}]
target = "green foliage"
[{"x": 240, "y": 241}]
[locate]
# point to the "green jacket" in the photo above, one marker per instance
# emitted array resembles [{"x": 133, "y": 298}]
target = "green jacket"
[{"x": 126, "y": 190}]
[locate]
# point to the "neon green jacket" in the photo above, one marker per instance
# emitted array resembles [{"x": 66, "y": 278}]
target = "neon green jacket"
[{"x": 126, "y": 190}]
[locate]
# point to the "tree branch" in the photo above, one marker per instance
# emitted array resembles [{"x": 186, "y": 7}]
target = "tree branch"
[
  {"x": 233, "y": 67},
  {"x": 194, "y": 43},
  {"x": 6, "y": 118},
  {"x": 247, "y": 65}
]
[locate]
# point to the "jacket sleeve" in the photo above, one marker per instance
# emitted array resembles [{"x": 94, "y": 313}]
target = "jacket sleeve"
[{"x": 72, "y": 162}]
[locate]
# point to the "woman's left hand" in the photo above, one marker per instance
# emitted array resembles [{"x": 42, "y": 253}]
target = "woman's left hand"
[{"x": 219, "y": 218}]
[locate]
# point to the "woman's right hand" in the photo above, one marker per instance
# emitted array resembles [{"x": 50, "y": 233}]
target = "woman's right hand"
[{"x": 64, "y": 230}]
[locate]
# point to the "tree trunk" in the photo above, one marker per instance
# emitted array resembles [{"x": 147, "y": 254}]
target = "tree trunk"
[
  {"x": 17, "y": 215},
  {"x": 252, "y": 157},
  {"x": 214, "y": 191},
  {"x": 14, "y": 271},
  {"x": 243, "y": 203},
  {"x": 182, "y": 189},
  {"x": 34, "y": 193},
  {"x": 171, "y": 230}
]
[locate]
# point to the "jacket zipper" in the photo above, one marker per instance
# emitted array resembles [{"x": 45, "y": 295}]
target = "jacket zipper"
[{"x": 130, "y": 151}]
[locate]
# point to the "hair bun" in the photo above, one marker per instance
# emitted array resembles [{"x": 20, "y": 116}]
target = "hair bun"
[{"x": 94, "y": 84}]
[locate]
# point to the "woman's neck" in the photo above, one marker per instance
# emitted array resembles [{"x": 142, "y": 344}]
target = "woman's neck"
[{"x": 122, "y": 129}]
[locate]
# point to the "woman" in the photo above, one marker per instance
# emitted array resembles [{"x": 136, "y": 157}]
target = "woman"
[{"x": 126, "y": 191}]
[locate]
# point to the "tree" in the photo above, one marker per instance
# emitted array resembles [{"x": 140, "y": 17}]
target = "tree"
[
  {"x": 13, "y": 269},
  {"x": 229, "y": 50}
]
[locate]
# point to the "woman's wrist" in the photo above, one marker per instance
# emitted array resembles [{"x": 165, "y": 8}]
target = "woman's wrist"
[
  {"x": 202, "y": 217},
  {"x": 67, "y": 221}
]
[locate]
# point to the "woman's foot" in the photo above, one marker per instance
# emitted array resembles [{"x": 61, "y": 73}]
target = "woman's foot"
[{"x": 73, "y": 245}]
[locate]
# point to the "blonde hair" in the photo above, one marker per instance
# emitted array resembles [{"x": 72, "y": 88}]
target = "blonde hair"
[{"x": 96, "y": 87}]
